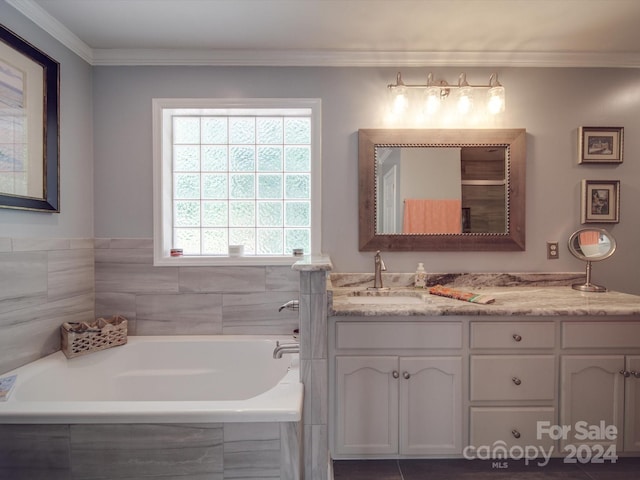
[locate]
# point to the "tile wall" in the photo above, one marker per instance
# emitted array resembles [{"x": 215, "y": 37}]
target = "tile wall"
[
  {"x": 127, "y": 451},
  {"x": 190, "y": 300},
  {"x": 43, "y": 283}
]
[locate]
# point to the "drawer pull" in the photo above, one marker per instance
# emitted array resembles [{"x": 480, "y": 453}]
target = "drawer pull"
[
  {"x": 625, "y": 373},
  {"x": 406, "y": 375},
  {"x": 635, "y": 374},
  {"x": 516, "y": 380},
  {"x": 515, "y": 433},
  {"x": 395, "y": 374},
  {"x": 517, "y": 337}
]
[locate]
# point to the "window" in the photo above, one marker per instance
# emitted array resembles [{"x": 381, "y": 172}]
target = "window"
[{"x": 236, "y": 172}]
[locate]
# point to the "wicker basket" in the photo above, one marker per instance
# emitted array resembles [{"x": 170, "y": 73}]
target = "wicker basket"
[{"x": 79, "y": 338}]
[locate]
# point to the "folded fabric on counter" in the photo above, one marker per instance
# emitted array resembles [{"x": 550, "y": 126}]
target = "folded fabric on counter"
[{"x": 458, "y": 295}]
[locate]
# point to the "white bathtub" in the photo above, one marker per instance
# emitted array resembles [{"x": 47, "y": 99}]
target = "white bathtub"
[{"x": 225, "y": 378}]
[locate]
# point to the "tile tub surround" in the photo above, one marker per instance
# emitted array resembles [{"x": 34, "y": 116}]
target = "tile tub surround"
[
  {"x": 313, "y": 363},
  {"x": 191, "y": 300},
  {"x": 185, "y": 451},
  {"x": 522, "y": 294},
  {"x": 43, "y": 283}
]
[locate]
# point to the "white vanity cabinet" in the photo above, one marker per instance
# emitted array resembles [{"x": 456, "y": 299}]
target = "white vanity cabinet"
[
  {"x": 600, "y": 382},
  {"x": 407, "y": 401},
  {"x": 513, "y": 380}
]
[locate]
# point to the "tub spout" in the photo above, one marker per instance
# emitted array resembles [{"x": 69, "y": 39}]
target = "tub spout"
[
  {"x": 285, "y": 348},
  {"x": 290, "y": 305}
]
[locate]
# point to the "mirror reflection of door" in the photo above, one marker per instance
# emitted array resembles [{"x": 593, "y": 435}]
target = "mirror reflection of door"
[{"x": 389, "y": 216}]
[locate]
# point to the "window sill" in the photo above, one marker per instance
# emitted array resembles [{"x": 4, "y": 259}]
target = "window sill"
[{"x": 204, "y": 261}]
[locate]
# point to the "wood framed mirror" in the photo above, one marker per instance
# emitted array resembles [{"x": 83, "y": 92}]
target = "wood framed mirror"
[{"x": 441, "y": 189}]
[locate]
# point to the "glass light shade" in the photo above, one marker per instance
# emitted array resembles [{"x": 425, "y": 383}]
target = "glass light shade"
[
  {"x": 432, "y": 100},
  {"x": 465, "y": 100},
  {"x": 495, "y": 100},
  {"x": 399, "y": 99}
]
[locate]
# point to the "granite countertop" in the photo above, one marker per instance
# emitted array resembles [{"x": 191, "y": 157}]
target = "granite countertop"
[{"x": 515, "y": 294}]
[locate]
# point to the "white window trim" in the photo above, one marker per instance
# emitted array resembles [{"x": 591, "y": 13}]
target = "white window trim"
[{"x": 162, "y": 178}]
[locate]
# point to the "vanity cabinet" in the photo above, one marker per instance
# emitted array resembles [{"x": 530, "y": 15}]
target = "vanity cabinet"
[
  {"x": 399, "y": 403},
  {"x": 602, "y": 384},
  {"x": 512, "y": 382}
]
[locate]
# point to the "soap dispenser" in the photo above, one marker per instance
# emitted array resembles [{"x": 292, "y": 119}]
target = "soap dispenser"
[{"x": 420, "y": 279}]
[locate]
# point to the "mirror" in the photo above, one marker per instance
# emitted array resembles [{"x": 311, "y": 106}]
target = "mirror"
[
  {"x": 450, "y": 190},
  {"x": 591, "y": 245}
]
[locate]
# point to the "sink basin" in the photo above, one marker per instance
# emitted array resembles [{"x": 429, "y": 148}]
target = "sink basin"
[{"x": 385, "y": 300}]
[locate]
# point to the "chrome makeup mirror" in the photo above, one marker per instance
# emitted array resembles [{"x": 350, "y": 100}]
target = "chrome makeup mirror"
[{"x": 591, "y": 245}]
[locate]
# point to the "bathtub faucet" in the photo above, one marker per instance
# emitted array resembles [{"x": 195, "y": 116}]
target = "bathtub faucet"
[
  {"x": 290, "y": 305},
  {"x": 285, "y": 348}
]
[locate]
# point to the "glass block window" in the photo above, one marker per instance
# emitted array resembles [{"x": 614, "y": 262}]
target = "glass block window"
[{"x": 238, "y": 176}]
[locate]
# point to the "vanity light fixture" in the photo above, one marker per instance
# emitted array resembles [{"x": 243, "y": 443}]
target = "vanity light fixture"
[{"x": 435, "y": 93}]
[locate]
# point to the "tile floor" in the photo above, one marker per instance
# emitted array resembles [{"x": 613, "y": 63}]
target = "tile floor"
[{"x": 461, "y": 469}]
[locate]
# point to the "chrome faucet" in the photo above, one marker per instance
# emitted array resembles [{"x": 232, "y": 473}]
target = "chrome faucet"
[
  {"x": 285, "y": 348},
  {"x": 379, "y": 267},
  {"x": 290, "y": 305}
]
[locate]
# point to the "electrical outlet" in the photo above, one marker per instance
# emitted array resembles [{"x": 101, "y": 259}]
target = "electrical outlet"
[{"x": 552, "y": 251}]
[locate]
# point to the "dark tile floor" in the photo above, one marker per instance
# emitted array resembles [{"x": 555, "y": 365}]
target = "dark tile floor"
[{"x": 461, "y": 469}]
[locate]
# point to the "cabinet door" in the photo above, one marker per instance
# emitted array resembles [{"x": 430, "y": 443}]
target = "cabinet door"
[
  {"x": 430, "y": 405},
  {"x": 632, "y": 406},
  {"x": 366, "y": 405},
  {"x": 592, "y": 391}
]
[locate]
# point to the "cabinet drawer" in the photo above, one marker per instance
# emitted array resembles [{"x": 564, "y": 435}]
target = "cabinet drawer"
[
  {"x": 600, "y": 334},
  {"x": 399, "y": 335},
  {"x": 513, "y": 377},
  {"x": 512, "y": 335},
  {"x": 512, "y": 425}
]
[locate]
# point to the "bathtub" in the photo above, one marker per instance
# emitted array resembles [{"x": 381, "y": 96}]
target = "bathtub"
[{"x": 161, "y": 379}]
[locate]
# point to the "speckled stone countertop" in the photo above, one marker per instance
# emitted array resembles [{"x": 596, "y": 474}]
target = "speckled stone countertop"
[{"x": 515, "y": 294}]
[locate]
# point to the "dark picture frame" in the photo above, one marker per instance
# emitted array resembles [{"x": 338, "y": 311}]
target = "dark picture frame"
[
  {"x": 600, "y": 144},
  {"x": 600, "y": 201},
  {"x": 28, "y": 74}
]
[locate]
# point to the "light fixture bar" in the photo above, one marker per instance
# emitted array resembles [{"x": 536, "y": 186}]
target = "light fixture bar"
[{"x": 493, "y": 81}]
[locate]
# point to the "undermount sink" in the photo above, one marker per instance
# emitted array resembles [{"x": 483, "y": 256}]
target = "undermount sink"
[{"x": 385, "y": 300}]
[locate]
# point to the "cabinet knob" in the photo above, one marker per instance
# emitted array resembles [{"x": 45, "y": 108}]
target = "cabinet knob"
[
  {"x": 406, "y": 375},
  {"x": 395, "y": 374},
  {"x": 517, "y": 337},
  {"x": 625, "y": 373},
  {"x": 635, "y": 374},
  {"x": 515, "y": 433},
  {"x": 516, "y": 380}
]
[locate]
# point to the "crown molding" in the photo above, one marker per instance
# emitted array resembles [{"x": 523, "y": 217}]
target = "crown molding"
[
  {"x": 328, "y": 58},
  {"x": 53, "y": 27},
  {"x": 314, "y": 58}
]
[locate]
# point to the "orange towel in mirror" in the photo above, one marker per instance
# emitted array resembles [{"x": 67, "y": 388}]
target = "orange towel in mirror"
[{"x": 432, "y": 216}]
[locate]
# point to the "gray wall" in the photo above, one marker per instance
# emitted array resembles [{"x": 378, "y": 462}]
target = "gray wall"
[
  {"x": 550, "y": 103},
  {"x": 75, "y": 219}
]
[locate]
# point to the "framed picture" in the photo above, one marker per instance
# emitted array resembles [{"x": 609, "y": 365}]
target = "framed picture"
[
  {"x": 600, "y": 144},
  {"x": 600, "y": 201},
  {"x": 29, "y": 126}
]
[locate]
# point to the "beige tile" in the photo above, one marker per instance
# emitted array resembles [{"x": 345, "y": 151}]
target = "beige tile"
[
  {"x": 252, "y": 450},
  {"x": 36, "y": 244},
  {"x": 258, "y": 313},
  {"x": 142, "y": 256},
  {"x": 81, "y": 243},
  {"x": 282, "y": 279},
  {"x": 291, "y": 459},
  {"x": 137, "y": 450},
  {"x": 222, "y": 279},
  {"x": 181, "y": 314},
  {"x": 70, "y": 273},
  {"x": 34, "y": 447},
  {"x": 23, "y": 280},
  {"x": 133, "y": 278},
  {"x": 5, "y": 245},
  {"x": 131, "y": 243}
]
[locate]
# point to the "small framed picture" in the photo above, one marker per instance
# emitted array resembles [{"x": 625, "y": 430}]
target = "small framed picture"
[
  {"x": 600, "y": 144},
  {"x": 600, "y": 201}
]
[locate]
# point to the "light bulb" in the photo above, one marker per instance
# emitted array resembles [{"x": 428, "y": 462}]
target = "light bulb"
[
  {"x": 495, "y": 100},
  {"x": 432, "y": 100},
  {"x": 465, "y": 100},
  {"x": 400, "y": 100}
]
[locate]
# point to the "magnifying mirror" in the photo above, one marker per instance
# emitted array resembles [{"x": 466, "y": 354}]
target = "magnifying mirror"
[{"x": 591, "y": 245}]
